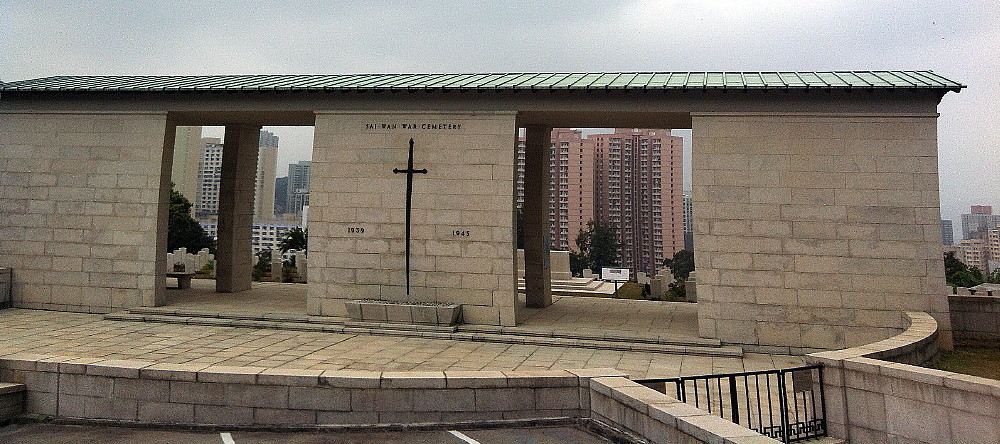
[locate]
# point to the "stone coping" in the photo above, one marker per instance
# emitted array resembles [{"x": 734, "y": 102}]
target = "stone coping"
[
  {"x": 299, "y": 377},
  {"x": 875, "y": 358},
  {"x": 921, "y": 333}
]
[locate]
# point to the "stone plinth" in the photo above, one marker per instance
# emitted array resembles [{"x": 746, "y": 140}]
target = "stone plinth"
[{"x": 400, "y": 313}]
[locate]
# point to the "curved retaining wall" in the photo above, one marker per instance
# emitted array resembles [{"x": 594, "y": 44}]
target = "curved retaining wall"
[
  {"x": 151, "y": 393},
  {"x": 877, "y": 393}
]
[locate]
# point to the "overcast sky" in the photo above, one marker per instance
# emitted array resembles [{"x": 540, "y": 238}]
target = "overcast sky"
[{"x": 957, "y": 39}]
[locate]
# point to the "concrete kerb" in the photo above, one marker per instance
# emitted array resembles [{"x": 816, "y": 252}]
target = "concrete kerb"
[{"x": 140, "y": 392}]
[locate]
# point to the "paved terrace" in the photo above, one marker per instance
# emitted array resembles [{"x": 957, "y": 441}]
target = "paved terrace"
[{"x": 90, "y": 338}]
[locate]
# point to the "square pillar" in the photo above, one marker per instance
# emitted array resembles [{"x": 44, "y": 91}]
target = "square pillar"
[
  {"x": 234, "y": 261},
  {"x": 158, "y": 296},
  {"x": 537, "y": 270}
]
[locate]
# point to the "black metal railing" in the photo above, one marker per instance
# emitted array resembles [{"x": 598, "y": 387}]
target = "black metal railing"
[{"x": 785, "y": 404}]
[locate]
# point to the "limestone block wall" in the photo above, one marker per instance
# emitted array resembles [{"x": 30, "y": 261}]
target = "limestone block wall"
[
  {"x": 79, "y": 195},
  {"x": 814, "y": 231},
  {"x": 461, "y": 220},
  {"x": 877, "y": 393}
]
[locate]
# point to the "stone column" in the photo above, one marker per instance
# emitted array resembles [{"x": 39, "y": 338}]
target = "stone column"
[
  {"x": 234, "y": 263},
  {"x": 537, "y": 270}
]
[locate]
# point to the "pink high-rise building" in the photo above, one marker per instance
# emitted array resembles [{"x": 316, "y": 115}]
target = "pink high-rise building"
[
  {"x": 631, "y": 178},
  {"x": 640, "y": 181},
  {"x": 571, "y": 189}
]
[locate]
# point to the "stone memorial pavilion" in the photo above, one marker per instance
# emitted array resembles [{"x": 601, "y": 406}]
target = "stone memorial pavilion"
[{"x": 815, "y": 193}]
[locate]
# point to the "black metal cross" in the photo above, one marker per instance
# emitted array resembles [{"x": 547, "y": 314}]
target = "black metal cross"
[{"x": 409, "y": 199}]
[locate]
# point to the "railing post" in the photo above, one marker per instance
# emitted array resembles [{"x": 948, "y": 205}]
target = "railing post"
[
  {"x": 783, "y": 406},
  {"x": 734, "y": 399}
]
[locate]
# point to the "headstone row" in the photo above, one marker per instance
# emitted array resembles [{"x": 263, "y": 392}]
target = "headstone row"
[{"x": 181, "y": 260}]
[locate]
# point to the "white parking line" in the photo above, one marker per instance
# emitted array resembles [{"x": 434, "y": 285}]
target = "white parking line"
[
  {"x": 463, "y": 437},
  {"x": 227, "y": 438}
]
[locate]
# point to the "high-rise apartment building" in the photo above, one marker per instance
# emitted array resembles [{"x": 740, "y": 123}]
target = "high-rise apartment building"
[
  {"x": 975, "y": 253},
  {"x": 206, "y": 201},
  {"x": 298, "y": 187},
  {"x": 947, "y": 232},
  {"x": 631, "y": 179},
  {"x": 688, "y": 221},
  {"x": 644, "y": 176},
  {"x": 571, "y": 188},
  {"x": 980, "y": 219},
  {"x": 267, "y": 164}
]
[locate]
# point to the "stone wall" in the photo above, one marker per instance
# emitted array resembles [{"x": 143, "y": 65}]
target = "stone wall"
[
  {"x": 80, "y": 195},
  {"x": 660, "y": 419},
  {"x": 462, "y": 224},
  {"x": 874, "y": 393},
  {"x": 814, "y": 231},
  {"x": 191, "y": 394},
  {"x": 975, "y": 319}
]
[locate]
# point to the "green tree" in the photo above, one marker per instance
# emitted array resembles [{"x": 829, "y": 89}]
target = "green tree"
[
  {"x": 182, "y": 230},
  {"x": 598, "y": 246},
  {"x": 952, "y": 265},
  {"x": 994, "y": 277},
  {"x": 970, "y": 277},
  {"x": 295, "y": 239},
  {"x": 682, "y": 264}
]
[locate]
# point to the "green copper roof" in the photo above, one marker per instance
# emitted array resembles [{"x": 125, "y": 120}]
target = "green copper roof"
[{"x": 495, "y": 81}]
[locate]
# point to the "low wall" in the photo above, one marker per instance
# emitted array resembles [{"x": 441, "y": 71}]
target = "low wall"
[
  {"x": 661, "y": 419},
  {"x": 187, "y": 394},
  {"x": 876, "y": 393},
  {"x": 975, "y": 319},
  {"x": 183, "y": 394}
]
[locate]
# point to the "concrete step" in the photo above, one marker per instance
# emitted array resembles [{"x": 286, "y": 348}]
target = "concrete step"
[
  {"x": 504, "y": 335},
  {"x": 11, "y": 401}
]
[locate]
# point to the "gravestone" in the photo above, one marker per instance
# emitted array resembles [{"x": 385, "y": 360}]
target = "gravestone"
[
  {"x": 691, "y": 287},
  {"x": 302, "y": 265},
  {"x": 276, "y": 266}
]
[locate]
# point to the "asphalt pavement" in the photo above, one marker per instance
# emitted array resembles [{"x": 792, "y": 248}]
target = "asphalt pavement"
[{"x": 43, "y": 433}]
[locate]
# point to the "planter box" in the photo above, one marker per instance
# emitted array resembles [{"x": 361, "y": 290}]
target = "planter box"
[{"x": 404, "y": 313}]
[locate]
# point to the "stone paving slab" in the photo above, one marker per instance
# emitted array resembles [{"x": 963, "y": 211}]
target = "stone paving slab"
[{"x": 87, "y": 336}]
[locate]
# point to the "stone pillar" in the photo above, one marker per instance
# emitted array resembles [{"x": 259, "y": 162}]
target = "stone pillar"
[
  {"x": 537, "y": 270},
  {"x": 276, "y": 266},
  {"x": 301, "y": 265},
  {"x": 234, "y": 264}
]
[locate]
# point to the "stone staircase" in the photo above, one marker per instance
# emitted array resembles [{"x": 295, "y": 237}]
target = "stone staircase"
[
  {"x": 11, "y": 401},
  {"x": 611, "y": 340},
  {"x": 577, "y": 286}
]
